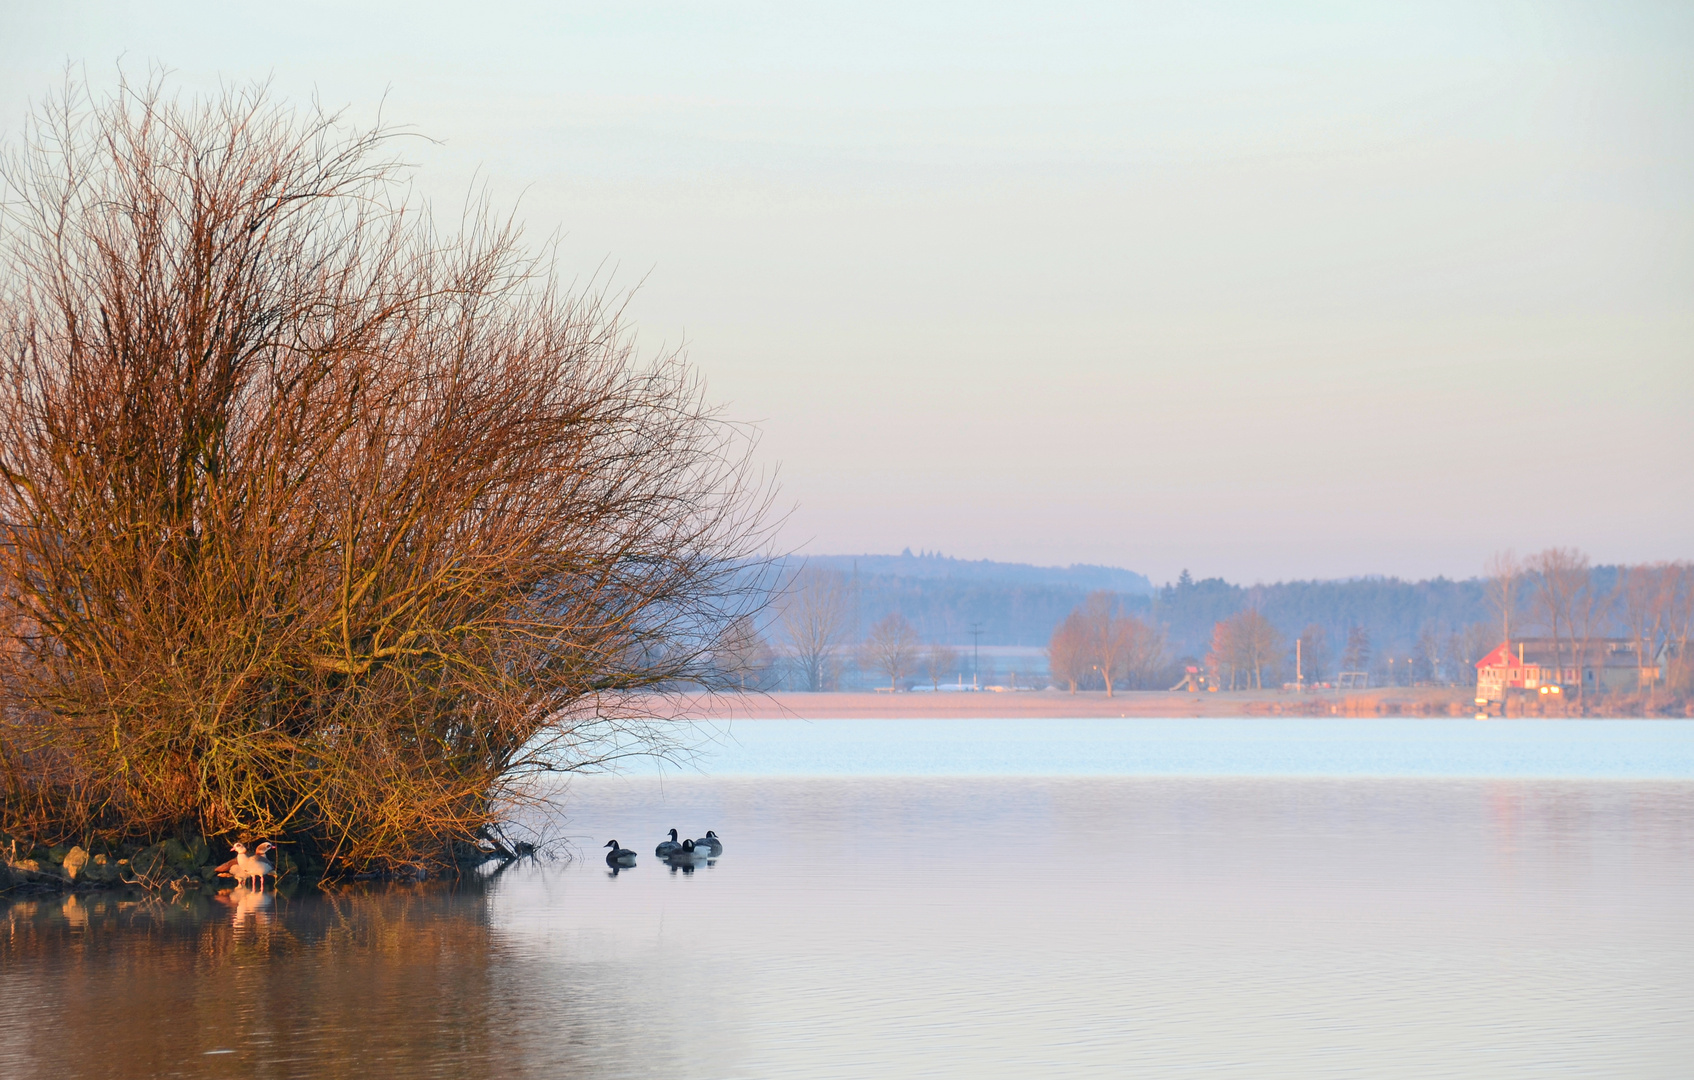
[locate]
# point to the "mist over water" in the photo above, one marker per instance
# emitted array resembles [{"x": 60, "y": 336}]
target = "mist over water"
[{"x": 936, "y": 924}]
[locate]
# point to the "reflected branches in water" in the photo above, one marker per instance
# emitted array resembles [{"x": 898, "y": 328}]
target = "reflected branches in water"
[{"x": 396, "y": 973}]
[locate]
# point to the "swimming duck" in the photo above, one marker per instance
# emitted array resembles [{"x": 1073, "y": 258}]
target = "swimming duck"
[
  {"x": 710, "y": 844},
  {"x": 667, "y": 847},
  {"x": 619, "y": 856},
  {"x": 688, "y": 854}
]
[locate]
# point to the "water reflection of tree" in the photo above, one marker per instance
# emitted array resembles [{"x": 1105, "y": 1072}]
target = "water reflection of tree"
[{"x": 387, "y": 980}]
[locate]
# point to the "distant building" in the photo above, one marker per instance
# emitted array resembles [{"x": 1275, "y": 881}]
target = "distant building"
[{"x": 1599, "y": 664}]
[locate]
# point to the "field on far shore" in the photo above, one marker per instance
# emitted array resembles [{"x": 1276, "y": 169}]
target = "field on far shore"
[{"x": 1056, "y": 704}]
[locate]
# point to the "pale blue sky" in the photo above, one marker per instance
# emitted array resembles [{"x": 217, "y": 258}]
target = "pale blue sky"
[{"x": 1265, "y": 291}]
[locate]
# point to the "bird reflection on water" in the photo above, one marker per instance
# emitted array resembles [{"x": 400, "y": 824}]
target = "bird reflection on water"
[
  {"x": 247, "y": 905},
  {"x": 691, "y": 854},
  {"x": 1293, "y": 928},
  {"x": 130, "y": 985}
]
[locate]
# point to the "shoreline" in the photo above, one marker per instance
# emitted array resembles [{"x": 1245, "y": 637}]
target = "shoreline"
[{"x": 1149, "y": 704}]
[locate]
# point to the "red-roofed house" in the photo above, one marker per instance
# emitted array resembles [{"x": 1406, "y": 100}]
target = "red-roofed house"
[{"x": 1531, "y": 663}]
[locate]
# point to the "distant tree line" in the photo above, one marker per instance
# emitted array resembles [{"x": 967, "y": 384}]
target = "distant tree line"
[{"x": 1383, "y": 631}]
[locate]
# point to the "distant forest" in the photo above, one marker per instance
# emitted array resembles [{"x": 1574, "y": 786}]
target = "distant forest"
[
  {"x": 1435, "y": 624},
  {"x": 1019, "y": 604}
]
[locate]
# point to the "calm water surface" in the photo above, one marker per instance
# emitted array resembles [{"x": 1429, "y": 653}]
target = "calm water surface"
[{"x": 1014, "y": 920}]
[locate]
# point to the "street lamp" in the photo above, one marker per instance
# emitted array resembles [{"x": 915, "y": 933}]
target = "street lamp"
[{"x": 976, "y": 635}]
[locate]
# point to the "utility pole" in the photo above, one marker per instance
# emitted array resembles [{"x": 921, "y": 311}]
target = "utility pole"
[
  {"x": 1299, "y": 671},
  {"x": 976, "y": 637}
]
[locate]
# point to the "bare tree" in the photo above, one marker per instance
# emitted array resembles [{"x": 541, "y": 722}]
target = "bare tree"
[
  {"x": 939, "y": 661},
  {"x": 1114, "y": 646},
  {"x": 1262, "y": 643},
  {"x": 743, "y": 657},
  {"x": 1461, "y": 649},
  {"x": 815, "y": 619},
  {"x": 1561, "y": 579},
  {"x": 1658, "y": 608},
  {"x": 320, "y": 523},
  {"x": 1357, "y": 653},
  {"x": 1246, "y": 641},
  {"x": 1504, "y": 572},
  {"x": 1067, "y": 652},
  {"x": 1226, "y": 650},
  {"x": 1679, "y": 623},
  {"x": 891, "y": 648},
  {"x": 1593, "y": 611},
  {"x": 1652, "y": 597},
  {"x": 1143, "y": 651},
  {"x": 1640, "y": 593},
  {"x": 1104, "y": 636}
]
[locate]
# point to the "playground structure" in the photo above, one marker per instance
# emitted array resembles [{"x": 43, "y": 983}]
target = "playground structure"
[{"x": 1190, "y": 681}]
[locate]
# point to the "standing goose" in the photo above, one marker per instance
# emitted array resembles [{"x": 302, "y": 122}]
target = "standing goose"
[
  {"x": 668, "y": 847},
  {"x": 248, "y": 867},
  {"x": 619, "y": 856},
  {"x": 264, "y": 866},
  {"x": 710, "y": 844},
  {"x": 227, "y": 868}
]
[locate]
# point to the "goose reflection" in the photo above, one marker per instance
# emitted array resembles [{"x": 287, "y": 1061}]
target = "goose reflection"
[
  {"x": 688, "y": 856},
  {"x": 248, "y": 904}
]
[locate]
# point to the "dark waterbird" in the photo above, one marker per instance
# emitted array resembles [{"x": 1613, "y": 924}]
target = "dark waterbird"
[
  {"x": 619, "y": 856},
  {"x": 710, "y": 844},
  {"x": 668, "y": 847},
  {"x": 688, "y": 854}
]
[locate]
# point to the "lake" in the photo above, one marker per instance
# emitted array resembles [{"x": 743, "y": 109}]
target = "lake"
[{"x": 1255, "y": 898}]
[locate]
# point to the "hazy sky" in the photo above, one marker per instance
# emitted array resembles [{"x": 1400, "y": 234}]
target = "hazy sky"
[{"x": 1266, "y": 291}]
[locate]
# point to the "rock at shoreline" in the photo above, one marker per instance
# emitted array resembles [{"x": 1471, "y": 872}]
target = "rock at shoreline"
[
  {"x": 179, "y": 856},
  {"x": 171, "y": 864},
  {"x": 75, "y": 859},
  {"x": 101, "y": 869},
  {"x": 36, "y": 870}
]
